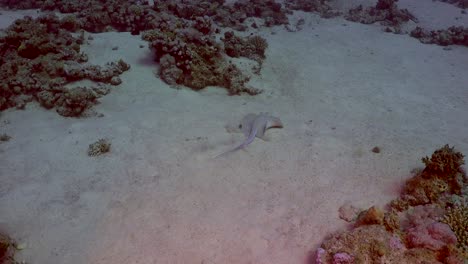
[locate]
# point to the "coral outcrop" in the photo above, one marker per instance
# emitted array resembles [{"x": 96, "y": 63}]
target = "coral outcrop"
[
  {"x": 385, "y": 11},
  {"x": 181, "y": 32},
  {"x": 457, "y": 218},
  {"x": 193, "y": 59},
  {"x": 39, "y": 57},
  {"x": 444, "y": 37},
  {"x": 421, "y": 226},
  {"x": 319, "y": 6},
  {"x": 8, "y": 248},
  {"x": 252, "y": 47},
  {"x": 443, "y": 174},
  {"x": 459, "y": 3}
]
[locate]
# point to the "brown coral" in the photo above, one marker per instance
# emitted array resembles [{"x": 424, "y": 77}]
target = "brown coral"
[
  {"x": 252, "y": 47},
  {"x": 385, "y": 11},
  {"x": 444, "y": 162},
  {"x": 454, "y": 35},
  {"x": 457, "y": 219},
  {"x": 442, "y": 175},
  {"x": 371, "y": 216}
]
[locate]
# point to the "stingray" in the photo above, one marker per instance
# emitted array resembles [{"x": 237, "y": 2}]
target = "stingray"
[{"x": 255, "y": 125}]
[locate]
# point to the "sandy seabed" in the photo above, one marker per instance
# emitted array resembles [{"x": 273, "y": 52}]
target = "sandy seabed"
[{"x": 340, "y": 88}]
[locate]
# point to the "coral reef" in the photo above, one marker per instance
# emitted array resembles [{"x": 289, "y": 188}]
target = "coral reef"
[
  {"x": 319, "y": 6},
  {"x": 191, "y": 58},
  {"x": 233, "y": 15},
  {"x": 99, "y": 147},
  {"x": 423, "y": 230},
  {"x": 459, "y": 3},
  {"x": 457, "y": 218},
  {"x": 444, "y": 37},
  {"x": 252, "y": 47},
  {"x": 39, "y": 58},
  {"x": 365, "y": 244},
  {"x": 270, "y": 11},
  {"x": 188, "y": 52},
  {"x": 181, "y": 32},
  {"x": 431, "y": 227},
  {"x": 385, "y": 11},
  {"x": 73, "y": 71},
  {"x": 443, "y": 174},
  {"x": 72, "y": 102},
  {"x": 444, "y": 163},
  {"x": 8, "y": 248}
]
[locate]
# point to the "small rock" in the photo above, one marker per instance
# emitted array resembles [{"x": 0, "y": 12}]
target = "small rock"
[
  {"x": 376, "y": 149},
  {"x": 4, "y": 137},
  {"x": 348, "y": 212}
]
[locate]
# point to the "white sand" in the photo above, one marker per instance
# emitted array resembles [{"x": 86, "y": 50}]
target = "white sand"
[{"x": 159, "y": 197}]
